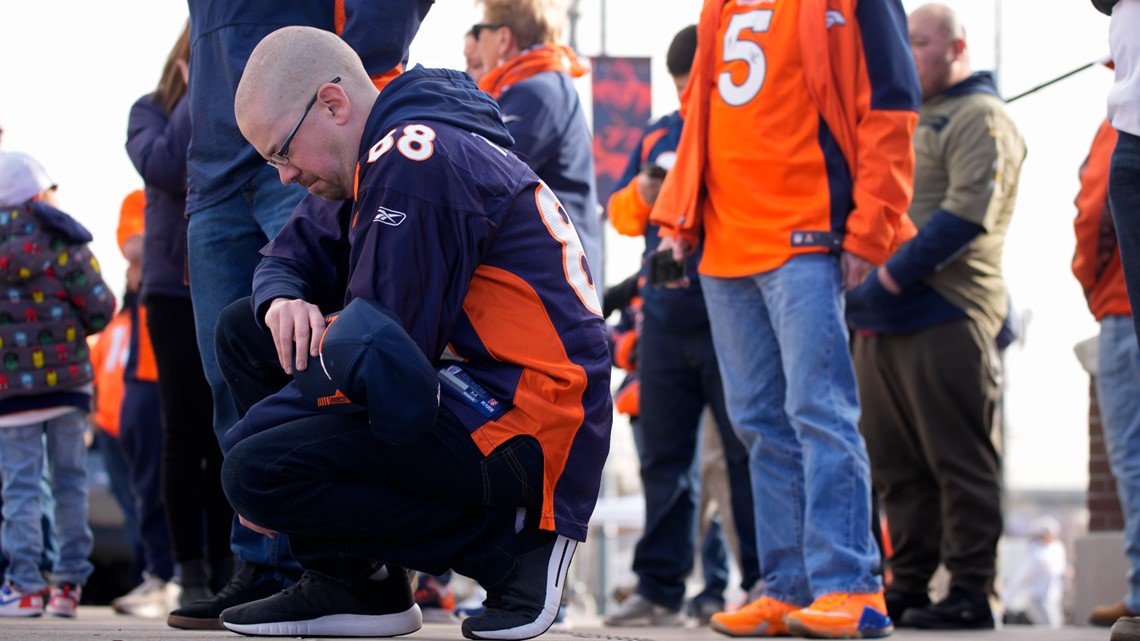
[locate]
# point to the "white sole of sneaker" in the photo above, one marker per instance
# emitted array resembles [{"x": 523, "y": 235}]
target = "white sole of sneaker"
[
  {"x": 337, "y": 625},
  {"x": 556, "y": 571}
]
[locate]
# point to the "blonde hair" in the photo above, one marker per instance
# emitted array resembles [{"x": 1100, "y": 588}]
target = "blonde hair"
[
  {"x": 172, "y": 86},
  {"x": 533, "y": 22}
]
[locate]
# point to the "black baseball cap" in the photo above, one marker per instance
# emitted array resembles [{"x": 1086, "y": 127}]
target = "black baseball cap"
[{"x": 367, "y": 361}]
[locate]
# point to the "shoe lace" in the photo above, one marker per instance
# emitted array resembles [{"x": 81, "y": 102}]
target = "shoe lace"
[{"x": 830, "y": 602}]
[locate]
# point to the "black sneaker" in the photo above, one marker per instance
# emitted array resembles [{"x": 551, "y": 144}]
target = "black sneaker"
[
  {"x": 317, "y": 606},
  {"x": 242, "y": 588},
  {"x": 960, "y": 610},
  {"x": 898, "y": 602},
  {"x": 526, "y": 603}
]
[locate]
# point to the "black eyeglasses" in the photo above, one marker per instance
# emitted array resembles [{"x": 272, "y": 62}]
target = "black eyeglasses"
[
  {"x": 478, "y": 28},
  {"x": 280, "y": 157}
]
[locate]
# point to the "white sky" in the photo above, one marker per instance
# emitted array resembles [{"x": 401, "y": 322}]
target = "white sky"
[{"x": 70, "y": 70}]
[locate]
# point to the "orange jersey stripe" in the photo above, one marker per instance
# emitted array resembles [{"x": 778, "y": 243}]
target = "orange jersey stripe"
[{"x": 513, "y": 324}]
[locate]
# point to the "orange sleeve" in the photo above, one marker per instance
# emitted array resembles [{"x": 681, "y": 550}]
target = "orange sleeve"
[
  {"x": 131, "y": 217},
  {"x": 1091, "y": 203},
  {"x": 883, "y": 184},
  {"x": 146, "y": 368},
  {"x": 628, "y": 211}
]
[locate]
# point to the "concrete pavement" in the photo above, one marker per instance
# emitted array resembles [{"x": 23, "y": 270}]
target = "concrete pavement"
[{"x": 99, "y": 623}]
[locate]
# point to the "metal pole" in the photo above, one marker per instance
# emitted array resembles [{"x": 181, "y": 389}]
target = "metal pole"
[
  {"x": 574, "y": 14},
  {"x": 603, "y": 21},
  {"x": 1057, "y": 79}
]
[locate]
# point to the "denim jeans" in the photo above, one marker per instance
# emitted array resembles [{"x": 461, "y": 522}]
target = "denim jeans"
[
  {"x": 223, "y": 248},
  {"x": 140, "y": 437},
  {"x": 21, "y": 465},
  {"x": 348, "y": 501},
  {"x": 1124, "y": 198},
  {"x": 790, "y": 390},
  {"x": 679, "y": 378},
  {"x": 1118, "y": 391}
]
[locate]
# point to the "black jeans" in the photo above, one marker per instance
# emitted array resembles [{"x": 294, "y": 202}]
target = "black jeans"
[
  {"x": 198, "y": 512},
  {"x": 349, "y": 502}
]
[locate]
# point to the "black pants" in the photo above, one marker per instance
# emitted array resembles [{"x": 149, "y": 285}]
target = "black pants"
[
  {"x": 348, "y": 502},
  {"x": 197, "y": 510},
  {"x": 929, "y": 400}
]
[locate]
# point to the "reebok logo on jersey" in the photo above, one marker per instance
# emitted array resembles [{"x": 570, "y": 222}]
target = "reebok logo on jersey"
[
  {"x": 835, "y": 18},
  {"x": 389, "y": 216}
]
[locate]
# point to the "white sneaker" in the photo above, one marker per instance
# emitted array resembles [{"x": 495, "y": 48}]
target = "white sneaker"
[
  {"x": 64, "y": 601},
  {"x": 151, "y": 599},
  {"x": 14, "y": 603}
]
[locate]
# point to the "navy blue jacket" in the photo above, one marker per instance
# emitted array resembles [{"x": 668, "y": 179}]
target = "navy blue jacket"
[
  {"x": 678, "y": 310},
  {"x": 472, "y": 252},
  {"x": 545, "y": 116},
  {"x": 157, "y": 143},
  {"x": 222, "y": 35}
]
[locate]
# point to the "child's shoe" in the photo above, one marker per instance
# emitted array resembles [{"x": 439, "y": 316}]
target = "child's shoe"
[
  {"x": 64, "y": 601},
  {"x": 14, "y": 603},
  {"x": 843, "y": 615},
  {"x": 436, "y": 601}
]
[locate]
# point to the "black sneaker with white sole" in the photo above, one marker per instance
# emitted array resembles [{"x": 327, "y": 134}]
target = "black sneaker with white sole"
[
  {"x": 317, "y": 606},
  {"x": 525, "y": 605},
  {"x": 249, "y": 584}
]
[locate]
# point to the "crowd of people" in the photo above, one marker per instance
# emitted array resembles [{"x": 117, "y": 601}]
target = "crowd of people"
[{"x": 314, "y": 439}]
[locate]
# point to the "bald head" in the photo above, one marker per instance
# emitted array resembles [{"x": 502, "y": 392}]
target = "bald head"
[
  {"x": 286, "y": 70},
  {"x": 938, "y": 42}
]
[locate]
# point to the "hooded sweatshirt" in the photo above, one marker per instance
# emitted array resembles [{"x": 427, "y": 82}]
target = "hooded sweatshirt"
[{"x": 478, "y": 260}]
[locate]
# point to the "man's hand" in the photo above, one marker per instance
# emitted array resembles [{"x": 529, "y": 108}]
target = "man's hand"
[
  {"x": 648, "y": 187},
  {"x": 853, "y": 269},
  {"x": 292, "y": 321},
  {"x": 679, "y": 245}
]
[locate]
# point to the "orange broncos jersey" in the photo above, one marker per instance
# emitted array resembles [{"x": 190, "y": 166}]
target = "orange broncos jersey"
[{"x": 797, "y": 137}]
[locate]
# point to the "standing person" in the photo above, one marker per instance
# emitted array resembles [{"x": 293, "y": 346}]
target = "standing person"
[
  {"x": 1124, "y": 195},
  {"x": 236, "y": 204},
  {"x": 926, "y": 321},
  {"x": 140, "y": 431},
  {"x": 795, "y": 162},
  {"x": 471, "y": 57},
  {"x": 677, "y": 370},
  {"x": 1097, "y": 266},
  {"x": 200, "y": 516},
  {"x": 1124, "y": 114},
  {"x": 1038, "y": 582},
  {"x": 56, "y": 296},
  {"x": 485, "y": 433},
  {"x": 531, "y": 76}
]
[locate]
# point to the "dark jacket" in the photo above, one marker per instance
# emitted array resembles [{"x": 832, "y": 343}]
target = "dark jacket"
[
  {"x": 157, "y": 143},
  {"x": 222, "y": 35},
  {"x": 545, "y": 116},
  {"x": 54, "y": 296},
  {"x": 469, "y": 249}
]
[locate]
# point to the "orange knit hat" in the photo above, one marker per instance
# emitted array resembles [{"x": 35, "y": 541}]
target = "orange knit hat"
[{"x": 131, "y": 216}]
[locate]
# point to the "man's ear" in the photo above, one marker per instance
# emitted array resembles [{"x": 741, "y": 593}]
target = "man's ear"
[
  {"x": 507, "y": 44},
  {"x": 334, "y": 99}
]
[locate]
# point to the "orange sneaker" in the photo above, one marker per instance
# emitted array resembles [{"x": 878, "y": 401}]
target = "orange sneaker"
[
  {"x": 843, "y": 616},
  {"x": 764, "y": 617}
]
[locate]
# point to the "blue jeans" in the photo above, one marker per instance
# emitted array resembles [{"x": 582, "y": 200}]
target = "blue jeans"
[
  {"x": 1118, "y": 390},
  {"x": 1124, "y": 197},
  {"x": 21, "y": 465},
  {"x": 790, "y": 390},
  {"x": 679, "y": 378},
  {"x": 223, "y": 248},
  {"x": 140, "y": 438}
]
